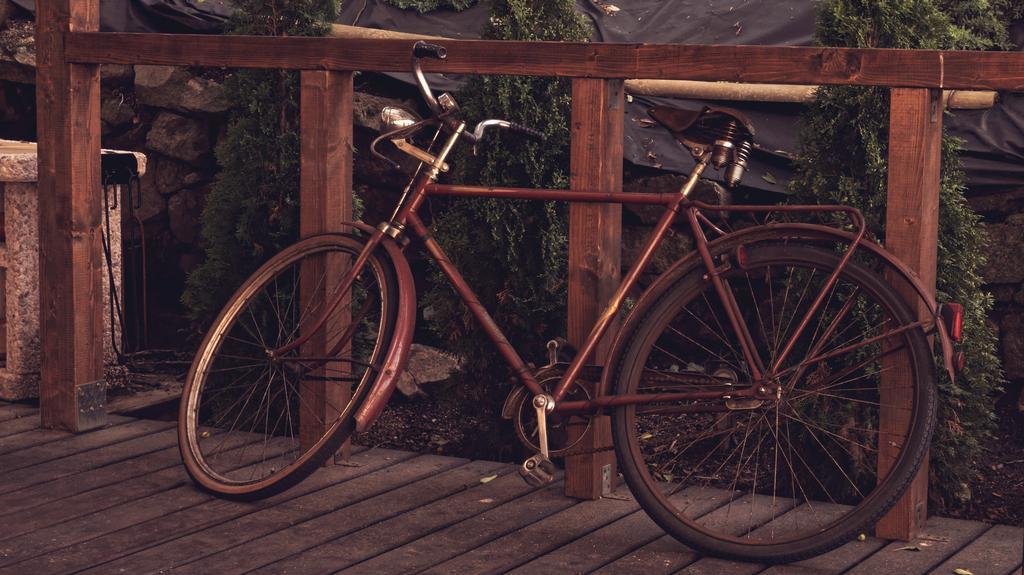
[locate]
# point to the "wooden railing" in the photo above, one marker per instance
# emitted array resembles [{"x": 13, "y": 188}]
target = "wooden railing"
[{"x": 70, "y": 51}]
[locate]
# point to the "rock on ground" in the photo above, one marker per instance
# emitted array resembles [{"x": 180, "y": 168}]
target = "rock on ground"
[{"x": 426, "y": 365}]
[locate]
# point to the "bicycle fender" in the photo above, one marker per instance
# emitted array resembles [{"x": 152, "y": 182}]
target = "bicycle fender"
[
  {"x": 795, "y": 231},
  {"x": 397, "y": 356}
]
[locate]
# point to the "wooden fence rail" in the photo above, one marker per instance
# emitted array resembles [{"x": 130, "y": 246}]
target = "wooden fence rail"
[
  {"x": 757, "y": 64},
  {"x": 70, "y": 49}
]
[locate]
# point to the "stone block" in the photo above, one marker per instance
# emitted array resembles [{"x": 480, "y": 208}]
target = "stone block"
[
  {"x": 175, "y": 88},
  {"x": 186, "y": 139},
  {"x": 19, "y": 271},
  {"x": 1011, "y": 331},
  {"x": 1005, "y": 253}
]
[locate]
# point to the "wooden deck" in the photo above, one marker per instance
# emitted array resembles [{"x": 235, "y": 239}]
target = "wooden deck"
[{"x": 118, "y": 501}]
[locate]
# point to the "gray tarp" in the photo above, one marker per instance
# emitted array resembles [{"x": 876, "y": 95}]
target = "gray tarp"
[{"x": 993, "y": 139}]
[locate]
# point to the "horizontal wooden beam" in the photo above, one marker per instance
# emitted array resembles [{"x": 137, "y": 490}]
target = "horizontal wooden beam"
[
  {"x": 756, "y": 64},
  {"x": 730, "y": 91}
]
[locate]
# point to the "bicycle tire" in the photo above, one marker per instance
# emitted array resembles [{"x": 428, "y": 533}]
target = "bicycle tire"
[
  {"x": 285, "y": 293},
  {"x": 639, "y": 432}
]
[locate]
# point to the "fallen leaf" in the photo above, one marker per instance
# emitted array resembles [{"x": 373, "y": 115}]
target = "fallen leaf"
[
  {"x": 909, "y": 548},
  {"x": 489, "y": 478},
  {"x": 862, "y": 537},
  {"x": 959, "y": 571},
  {"x": 644, "y": 122},
  {"x": 487, "y": 500},
  {"x": 646, "y": 436},
  {"x": 768, "y": 177},
  {"x": 608, "y": 9},
  {"x": 629, "y": 97}
]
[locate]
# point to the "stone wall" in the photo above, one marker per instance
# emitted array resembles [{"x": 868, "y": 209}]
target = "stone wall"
[
  {"x": 1004, "y": 221},
  {"x": 175, "y": 117}
]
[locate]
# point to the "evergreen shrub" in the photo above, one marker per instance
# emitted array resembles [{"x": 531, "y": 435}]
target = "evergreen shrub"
[
  {"x": 513, "y": 253},
  {"x": 843, "y": 159},
  {"x": 251, "y": 212},
  {"x": 431, "y": 5}
]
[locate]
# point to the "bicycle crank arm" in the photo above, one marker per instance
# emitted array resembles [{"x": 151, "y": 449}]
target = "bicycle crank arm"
[{"x": 538, "y": 470}]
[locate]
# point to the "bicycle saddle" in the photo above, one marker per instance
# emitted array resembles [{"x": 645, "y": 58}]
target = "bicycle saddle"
[
  {"x": 726, "y": 133},
  {"x": 701, "y": 127}
]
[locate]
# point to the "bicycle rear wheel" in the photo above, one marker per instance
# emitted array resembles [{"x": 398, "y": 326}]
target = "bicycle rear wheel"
[
  {"x": 776, "y": 480},
  {"x": 291, "y": 412}
]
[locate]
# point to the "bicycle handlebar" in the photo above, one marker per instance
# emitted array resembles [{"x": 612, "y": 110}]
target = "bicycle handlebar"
[
  {"x": 422, "y": 49},
  {"x": 527, "y": 131},
  {"x": 478, "y": 133}
]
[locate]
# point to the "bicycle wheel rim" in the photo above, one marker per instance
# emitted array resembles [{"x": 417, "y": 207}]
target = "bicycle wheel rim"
[
  {"x": 637, "y": 440},
  {"x": 376, "y": 313}
]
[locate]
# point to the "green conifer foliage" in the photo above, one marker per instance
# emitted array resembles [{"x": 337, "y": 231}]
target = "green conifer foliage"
[
  {"x": 843, "y": 159},
  {"x": 251, "y": 211},
  {"x": 513, "y": 253},
  {"x": 431, "y": 5}
]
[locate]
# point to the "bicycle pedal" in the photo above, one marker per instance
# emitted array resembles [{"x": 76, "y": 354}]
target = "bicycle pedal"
[{"x": 537, "y": 471}]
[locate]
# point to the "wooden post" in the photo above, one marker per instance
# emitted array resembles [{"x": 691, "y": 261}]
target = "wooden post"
[
  {"x": 71, "y": 331},
  {"x": 325, "y": 203},
  {"x": 912, "y": 227},
  {"x": 594, "y": 254}
]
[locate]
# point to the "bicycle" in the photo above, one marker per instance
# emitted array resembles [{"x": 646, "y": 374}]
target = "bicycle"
[{"x": 772, "y": 392}]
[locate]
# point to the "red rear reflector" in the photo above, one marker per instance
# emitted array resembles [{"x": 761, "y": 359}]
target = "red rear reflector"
[{"x": 953, "y": 316}]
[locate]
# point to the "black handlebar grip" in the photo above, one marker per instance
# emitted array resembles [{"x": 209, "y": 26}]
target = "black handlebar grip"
[
  {"x": 527, "y": 131},
  {"x": 423, "y": 49}
]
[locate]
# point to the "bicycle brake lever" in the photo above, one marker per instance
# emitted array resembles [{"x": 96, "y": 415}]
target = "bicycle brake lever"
[{"x": 373, "y": 150}]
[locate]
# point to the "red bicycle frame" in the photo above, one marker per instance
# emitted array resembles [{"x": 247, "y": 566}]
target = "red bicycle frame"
[{"x": 424, "y": 185}]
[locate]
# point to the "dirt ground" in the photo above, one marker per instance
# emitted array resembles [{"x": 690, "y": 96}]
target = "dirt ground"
[
  {"x": 998, "y": 489},
  {"x": 445, "y": 426}
]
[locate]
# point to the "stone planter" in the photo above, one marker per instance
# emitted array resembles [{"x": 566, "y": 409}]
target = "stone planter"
[{"x": 19, "y": 263}]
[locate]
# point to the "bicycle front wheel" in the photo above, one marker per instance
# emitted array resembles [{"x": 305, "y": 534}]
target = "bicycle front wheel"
[
  {"x": 784, "y": 478},
  {"x": 253, "y": 423}
]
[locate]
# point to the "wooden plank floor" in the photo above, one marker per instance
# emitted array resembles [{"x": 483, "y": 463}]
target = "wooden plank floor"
[{"x": 118, "y": 501}]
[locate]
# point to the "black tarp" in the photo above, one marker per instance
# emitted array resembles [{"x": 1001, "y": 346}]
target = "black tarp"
[
  {"x": 167, "y": 16},
  {"x": 993, "y": 139},
  {"x": 654, "y": 21}
]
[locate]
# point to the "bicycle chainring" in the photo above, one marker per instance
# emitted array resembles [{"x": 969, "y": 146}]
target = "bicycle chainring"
[{"x": 564, "y": 432}]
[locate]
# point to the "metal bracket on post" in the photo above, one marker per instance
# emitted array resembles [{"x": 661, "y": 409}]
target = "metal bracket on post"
[{"x": 91, "y": 399}]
